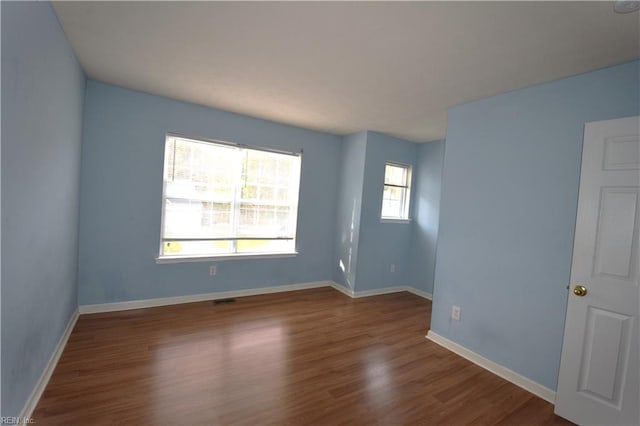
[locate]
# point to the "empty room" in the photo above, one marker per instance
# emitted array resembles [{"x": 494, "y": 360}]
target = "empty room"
[{"x": 332, "y": 213}]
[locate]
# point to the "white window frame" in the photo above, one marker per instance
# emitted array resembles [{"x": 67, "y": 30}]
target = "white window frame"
[
  {"x": 406, "y": 202},
  {"x": 165, "y": 258}
]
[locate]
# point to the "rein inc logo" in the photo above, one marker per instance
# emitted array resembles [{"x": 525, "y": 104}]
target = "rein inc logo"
[{"x": 16, "y": 421}]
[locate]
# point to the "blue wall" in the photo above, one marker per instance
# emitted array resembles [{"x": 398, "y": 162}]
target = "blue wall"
[
  {"x": 510, "y": 189},
  {"x": 121, "y": 192},
  {"x": 348, "y": 211},
  {"x": 426, "y": 214},
  {"x": 511, "y": 176},
  {"x": 382, "y": 244},
  {"x": 367, "y": 247},
  {"x": 42, "y": 99}
]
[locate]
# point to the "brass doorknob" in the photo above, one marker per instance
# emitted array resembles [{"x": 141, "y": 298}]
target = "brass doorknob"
[{"x": 580, "y": 290}]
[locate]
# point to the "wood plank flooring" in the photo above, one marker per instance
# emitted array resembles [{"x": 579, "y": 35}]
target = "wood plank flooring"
[{"x": 297, "y": 358}]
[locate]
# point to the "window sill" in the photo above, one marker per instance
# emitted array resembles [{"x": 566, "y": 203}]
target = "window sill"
[
  {"x": 389, "y": 220},
  {"x": 228, "y": 256}
]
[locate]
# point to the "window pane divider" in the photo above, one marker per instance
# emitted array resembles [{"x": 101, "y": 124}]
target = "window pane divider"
[
  {"x": 395, "y": 197},
  {"x": 235, "y": 218}
]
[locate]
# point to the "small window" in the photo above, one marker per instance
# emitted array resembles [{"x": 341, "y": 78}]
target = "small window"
[
  {"x": 223, "y": 199},
  {"x": 396, "y": 193}
]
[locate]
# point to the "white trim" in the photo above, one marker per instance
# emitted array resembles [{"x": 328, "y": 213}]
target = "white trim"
[
  {"x": 420, "y": 293},
  {"x": 164, "y": 301},
  {"x": 385, "y": 290},
  {"x": 342, "y": 289},
  {"x": 378, "y": 291},
  {"x": 190, "y": 298},
  {"x": 228, "y": 256},
  {"x": 394, "y": 220},
  {"x": 199, "y": 139},
  {"x": 497, "y": 369},
  {"x": 395, "y": 289},
  {"x": 36, "y": 393}
]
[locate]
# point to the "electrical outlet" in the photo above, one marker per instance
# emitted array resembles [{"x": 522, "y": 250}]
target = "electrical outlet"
[
  {"x": 455, "y": 313},
  {"x": 212, "y": 270},
  {"x": 393, "y": 267}
]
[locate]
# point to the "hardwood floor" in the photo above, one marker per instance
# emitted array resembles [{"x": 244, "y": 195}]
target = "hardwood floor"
[{"x": 306, "y": 357}]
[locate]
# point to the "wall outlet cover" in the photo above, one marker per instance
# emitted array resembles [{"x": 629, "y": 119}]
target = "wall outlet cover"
[{"x": 455, "y": 313}]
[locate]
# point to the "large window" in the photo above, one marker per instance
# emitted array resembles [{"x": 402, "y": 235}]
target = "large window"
[
  {"x": 224, "y": 199},
  {"x": 397, "y": 191}
]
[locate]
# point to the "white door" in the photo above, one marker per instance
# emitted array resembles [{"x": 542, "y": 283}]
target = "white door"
[{"x": 599, "y": 374}]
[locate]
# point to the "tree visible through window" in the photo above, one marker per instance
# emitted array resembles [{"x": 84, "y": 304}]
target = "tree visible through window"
[
  {"x": 224, "y": 199},
  {"x": 396, "y": 193}
]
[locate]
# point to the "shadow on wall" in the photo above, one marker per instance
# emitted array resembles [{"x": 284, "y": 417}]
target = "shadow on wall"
[
  {"x": 371, "y": 254},
  {"x": 426, "y": 214}
]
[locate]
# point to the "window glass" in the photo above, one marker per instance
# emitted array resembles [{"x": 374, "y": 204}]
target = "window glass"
[
  {"x": 396, "y": 192},
  {"x": 222, "y": 198}
]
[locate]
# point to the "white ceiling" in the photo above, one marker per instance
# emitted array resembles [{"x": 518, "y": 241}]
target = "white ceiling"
[{"x": 344, "y": 67}]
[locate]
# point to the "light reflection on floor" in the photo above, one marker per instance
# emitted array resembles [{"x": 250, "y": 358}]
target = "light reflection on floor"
[
  {"x": 379, "y": 384},
  {"x": 253, "y": 363}
]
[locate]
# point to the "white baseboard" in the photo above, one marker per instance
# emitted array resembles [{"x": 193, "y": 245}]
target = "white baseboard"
[
  {"x": 378, "y": 291},
  {"x": 497, "y": 369},
  {"x": 420, "y": 293},
  {"x": 165, "y": 301},
  {"x": 36, "y": 393},
  {"x": 342, "y": 289}
]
